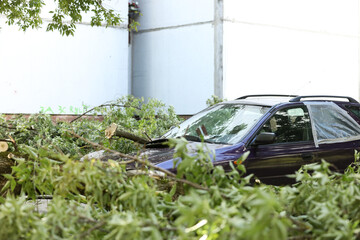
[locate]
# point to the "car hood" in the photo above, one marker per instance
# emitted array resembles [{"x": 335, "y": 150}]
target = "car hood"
[{"x": 163, "y": 157}]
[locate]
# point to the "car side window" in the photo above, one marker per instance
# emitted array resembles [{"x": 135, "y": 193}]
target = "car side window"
[{"x": 290, "y": 125}]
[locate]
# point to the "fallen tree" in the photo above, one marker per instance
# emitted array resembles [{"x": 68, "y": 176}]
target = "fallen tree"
[{"x": 103, "y": 200}]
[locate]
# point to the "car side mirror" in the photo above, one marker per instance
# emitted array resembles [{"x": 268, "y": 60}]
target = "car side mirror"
[{"x": 264, "y": 138}]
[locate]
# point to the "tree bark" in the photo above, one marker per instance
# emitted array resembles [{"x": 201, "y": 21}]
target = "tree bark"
[
  {"x": 5, "y": 167},
  {"x": 113, "y": 130}
]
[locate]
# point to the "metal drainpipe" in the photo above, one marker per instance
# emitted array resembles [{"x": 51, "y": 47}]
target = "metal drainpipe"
[{"x": 218, "y": 47}]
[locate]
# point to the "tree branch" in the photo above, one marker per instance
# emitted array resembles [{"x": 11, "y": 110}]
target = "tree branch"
[
  {"x": 113, "y": 130},
  {"x": 102, "y": 105}
]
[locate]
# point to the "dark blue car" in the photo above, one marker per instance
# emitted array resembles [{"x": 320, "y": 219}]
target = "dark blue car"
[{"x": 281, "y": 133}]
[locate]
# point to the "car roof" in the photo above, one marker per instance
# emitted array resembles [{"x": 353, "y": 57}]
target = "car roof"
[
  {"x": 258, "y": 102},
  {"x": 274, "y": 99}
]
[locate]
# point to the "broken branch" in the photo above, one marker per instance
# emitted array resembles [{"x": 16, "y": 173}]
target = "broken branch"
[
  {"x": 102, "y": 105},
  {"x": 113, "y": 130}
]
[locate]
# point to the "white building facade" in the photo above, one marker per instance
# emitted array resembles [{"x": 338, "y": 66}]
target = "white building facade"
[
  {"x": 183, "y": 52},
  {"x": 291, "y": 47},
  {"x": 173, "y": 53},
  {"x": 186, "y": 51},
  {"x": 44, "y": 71}
]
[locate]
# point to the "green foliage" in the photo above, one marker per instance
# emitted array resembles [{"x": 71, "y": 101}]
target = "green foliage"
[
  {"x": 92, "y": 193},
  {"x": 153, "y": 117},
  {"x": 65, "y": 14},
  {"x": 103, "y": 200},
  {"x": 146, "y": 119},
  {"x": 324, "y": 203},
  {"x": 19, "y": 221},
  {"x": 214, "y": 100}
]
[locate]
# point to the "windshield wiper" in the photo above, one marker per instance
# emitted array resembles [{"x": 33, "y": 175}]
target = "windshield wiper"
[
  {"x": 216, "y": 142},
  {"x": 162, "y": 142},
  {"x": 197, "y": 139},
  {"x": 158, "y": 143},
  {"x": 192, "y": 138}
]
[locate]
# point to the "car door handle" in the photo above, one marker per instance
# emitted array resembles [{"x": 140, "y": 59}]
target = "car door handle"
[{"x": 307, "y": 156}]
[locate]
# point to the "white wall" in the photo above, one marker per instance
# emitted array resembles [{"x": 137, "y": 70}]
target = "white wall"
[
  {"x": 42, "y": 70},
  {"x": 170, "y": 13},
  {"x": 270, "y": 46},
  {"x": 291, "y": 47},
  {"x": 173, "y": 53}
]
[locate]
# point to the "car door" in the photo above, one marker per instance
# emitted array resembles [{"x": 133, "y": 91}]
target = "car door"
[
  {"x": 339, "y": 155},
  {"x": 337, "y": 134},
  {"x": 292, "y": 147}
]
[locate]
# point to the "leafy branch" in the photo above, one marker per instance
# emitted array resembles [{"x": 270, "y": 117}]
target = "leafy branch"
[{"x": 65, "y": 15}]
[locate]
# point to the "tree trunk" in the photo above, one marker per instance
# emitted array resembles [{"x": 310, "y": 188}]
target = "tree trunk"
[
  {"x": 5, "y": 167},
  {"x": 3, "y": 146}
]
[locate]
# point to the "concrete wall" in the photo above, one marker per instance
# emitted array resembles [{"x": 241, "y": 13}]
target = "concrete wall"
[
  {"x": 173, "y": 53},
  {"x": 45, "y": 71},
  {"x": 291, "y": 47},
  {"x": 184, "y": 52}
]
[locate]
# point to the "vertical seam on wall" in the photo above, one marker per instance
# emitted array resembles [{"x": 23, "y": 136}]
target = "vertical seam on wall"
[
  {"x": 131, "y": 77},
  {"x": 218, "y": 47}
]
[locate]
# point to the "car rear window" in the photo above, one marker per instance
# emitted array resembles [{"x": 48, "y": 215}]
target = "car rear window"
[{"x": 332, "y": 124}]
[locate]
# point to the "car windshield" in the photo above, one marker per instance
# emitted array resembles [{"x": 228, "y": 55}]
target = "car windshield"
[{"x": 224, "y": 123}]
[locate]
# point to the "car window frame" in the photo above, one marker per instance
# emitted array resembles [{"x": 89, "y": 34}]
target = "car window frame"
[
  {"x": 267, "y": 118},
  {"x": 346, "y": 106}
]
